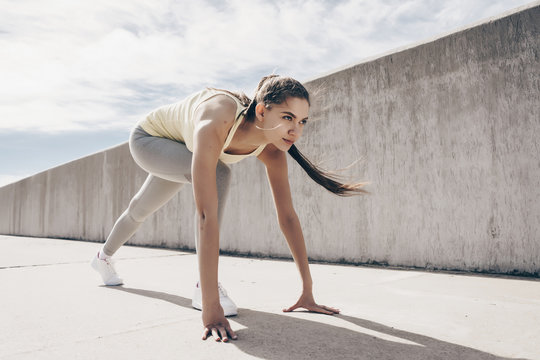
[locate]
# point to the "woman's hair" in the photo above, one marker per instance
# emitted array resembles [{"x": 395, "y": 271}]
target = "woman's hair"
[{"x": 275, "y": 89}]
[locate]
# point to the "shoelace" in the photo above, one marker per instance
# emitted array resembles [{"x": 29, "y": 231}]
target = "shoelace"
[
  {"x": 109, "y": 262},
  {"x": 110, "y": 265}
]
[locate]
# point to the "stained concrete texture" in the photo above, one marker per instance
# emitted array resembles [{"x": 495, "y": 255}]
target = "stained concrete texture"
[{"x": 54, "y": 307}]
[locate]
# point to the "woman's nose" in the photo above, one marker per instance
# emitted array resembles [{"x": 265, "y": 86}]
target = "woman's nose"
[{"x": 295, "y": 130}]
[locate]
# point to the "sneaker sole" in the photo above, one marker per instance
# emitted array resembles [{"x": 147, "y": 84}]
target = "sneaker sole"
[
  {"x": 198, "y": 306},
  {"x": 93, "y": 264}
]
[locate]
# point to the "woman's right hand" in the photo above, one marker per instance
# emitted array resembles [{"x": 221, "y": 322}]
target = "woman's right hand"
[{"x": 216, "y": 324}]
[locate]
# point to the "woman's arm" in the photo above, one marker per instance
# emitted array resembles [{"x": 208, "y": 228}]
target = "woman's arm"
[
  {"x": 212, "y": 122},
  {"x": 276, "y": 170}
]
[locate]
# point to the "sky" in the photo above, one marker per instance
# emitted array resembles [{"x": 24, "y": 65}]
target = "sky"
[{"x": 75, "y": 76}]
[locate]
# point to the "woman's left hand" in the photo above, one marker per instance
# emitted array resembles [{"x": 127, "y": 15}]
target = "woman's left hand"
[{"x": 307, "y": 302}]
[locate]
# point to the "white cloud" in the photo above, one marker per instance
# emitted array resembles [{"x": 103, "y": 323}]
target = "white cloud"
[
  {"x": 71, "y": 65},
  {"x": 8, "y": 179}
]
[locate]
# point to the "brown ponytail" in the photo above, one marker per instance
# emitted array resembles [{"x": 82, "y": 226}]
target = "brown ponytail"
[{"x": 328, "y": 181}]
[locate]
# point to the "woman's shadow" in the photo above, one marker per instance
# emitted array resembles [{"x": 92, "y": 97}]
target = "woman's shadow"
[{"x": 272, "y": 336}]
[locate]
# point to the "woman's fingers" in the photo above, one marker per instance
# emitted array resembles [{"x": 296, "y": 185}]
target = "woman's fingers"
[
  {"x": 321, "y": 310},
  {"x": 215, "y": 334},
  {"x": 223, "y": 334},
  {"x": 232, "y": 334},
  {"x": 334, "y": 310},
  {"x": 314, "y": 308},
  {"x": 294, "y": 307},
  {"x": 219, "y": 333},
  {"x": 328, "y": 308}
]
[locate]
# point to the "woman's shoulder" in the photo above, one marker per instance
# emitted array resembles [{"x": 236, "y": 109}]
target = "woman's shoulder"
[
  {"x": 217, "y": 105},
  {"x": 222, "y": 100},
  {"x": 218, "y": 111}
]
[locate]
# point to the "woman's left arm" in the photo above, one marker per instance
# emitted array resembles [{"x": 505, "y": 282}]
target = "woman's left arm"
[{"x": 275, "y": 161}]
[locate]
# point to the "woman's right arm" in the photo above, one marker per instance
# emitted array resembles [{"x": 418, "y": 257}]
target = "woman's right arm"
[{"x": 212, "y": 122}]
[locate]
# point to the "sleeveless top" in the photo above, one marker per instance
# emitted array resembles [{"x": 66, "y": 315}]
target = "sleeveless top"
[{"x": 175, "y": 122}]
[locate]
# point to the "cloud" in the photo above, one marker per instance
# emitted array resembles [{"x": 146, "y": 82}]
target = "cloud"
[
  {"x": 102, "y": 65},
  {"x": 8, "y": 179}
]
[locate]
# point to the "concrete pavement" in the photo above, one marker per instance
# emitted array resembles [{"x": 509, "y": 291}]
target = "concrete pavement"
[{"x": 53, "y": 307}]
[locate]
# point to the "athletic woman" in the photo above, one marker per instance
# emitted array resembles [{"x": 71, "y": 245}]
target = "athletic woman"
[{"x": 194, "y": 141}]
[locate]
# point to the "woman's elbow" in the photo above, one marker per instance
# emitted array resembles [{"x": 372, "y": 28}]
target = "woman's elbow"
[
  {"x": 285, "y": 220},
  {"x": 206, "y": 217}
]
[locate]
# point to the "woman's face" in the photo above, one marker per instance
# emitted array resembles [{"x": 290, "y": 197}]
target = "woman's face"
[{"x": 283, "y": 123}]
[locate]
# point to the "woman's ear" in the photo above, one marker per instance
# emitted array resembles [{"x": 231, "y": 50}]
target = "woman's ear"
[{"x": 259, "y": 111}]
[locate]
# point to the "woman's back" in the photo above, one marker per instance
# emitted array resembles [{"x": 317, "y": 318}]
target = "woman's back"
[{"x": 176, "y": 122}]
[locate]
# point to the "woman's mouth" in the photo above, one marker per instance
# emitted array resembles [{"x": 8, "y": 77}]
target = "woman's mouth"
[{"x": 288, "y": 142}]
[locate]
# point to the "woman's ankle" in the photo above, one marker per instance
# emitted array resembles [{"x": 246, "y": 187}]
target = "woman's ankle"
[{"x": 102, "y": 255}]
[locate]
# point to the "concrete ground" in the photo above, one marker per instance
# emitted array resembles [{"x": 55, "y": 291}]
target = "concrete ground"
[{"x": 54, "y": 307}]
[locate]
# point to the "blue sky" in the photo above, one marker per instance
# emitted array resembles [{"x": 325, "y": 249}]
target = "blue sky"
[{"x": 77, "y": 75}]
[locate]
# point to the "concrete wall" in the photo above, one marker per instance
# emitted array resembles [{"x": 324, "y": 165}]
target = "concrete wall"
[{"x": 449, "y": 136}]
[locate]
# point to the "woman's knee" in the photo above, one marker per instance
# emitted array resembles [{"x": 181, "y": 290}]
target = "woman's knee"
[{"x": 137, "y": 211}]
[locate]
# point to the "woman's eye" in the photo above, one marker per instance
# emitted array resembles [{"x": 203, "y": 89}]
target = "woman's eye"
[
  {"x": 287, "y": 118},
  {"x": 303, "y": 122}
]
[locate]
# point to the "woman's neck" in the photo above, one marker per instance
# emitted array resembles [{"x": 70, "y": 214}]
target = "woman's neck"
[{"x": 249, "y": 135}]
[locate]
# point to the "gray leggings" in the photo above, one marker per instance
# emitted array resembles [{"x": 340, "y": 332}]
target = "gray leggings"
[{"x": 168, "y": 163}]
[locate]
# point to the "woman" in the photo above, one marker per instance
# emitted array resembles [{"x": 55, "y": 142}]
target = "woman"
[{"x": 193, "y": 141}]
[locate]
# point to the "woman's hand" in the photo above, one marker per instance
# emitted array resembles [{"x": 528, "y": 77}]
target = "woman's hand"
[
  {"x": 217, "y": 325},
  {"x": 307, "y": 302}
]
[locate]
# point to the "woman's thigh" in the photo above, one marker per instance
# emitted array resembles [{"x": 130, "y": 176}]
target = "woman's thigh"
[{"x": 164, "y": 158}]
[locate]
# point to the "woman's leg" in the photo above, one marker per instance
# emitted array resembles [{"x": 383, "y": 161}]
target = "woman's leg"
[
  {"x": 164, "y": 158},
  {"x": 154, "y": 193},
  {"x": 169, "y": 165}
]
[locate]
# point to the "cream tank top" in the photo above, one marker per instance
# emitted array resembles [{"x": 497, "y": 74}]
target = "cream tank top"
[{"x": 175, "y": 122}]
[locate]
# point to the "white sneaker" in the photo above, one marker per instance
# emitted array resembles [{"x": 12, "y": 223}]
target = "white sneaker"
[
  {"x": 229, "y": 307},
  {"x": 105, "y": 268}
]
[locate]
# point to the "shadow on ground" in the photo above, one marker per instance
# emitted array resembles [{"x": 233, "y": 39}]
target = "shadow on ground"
[{"x": 273, "y": 336}]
